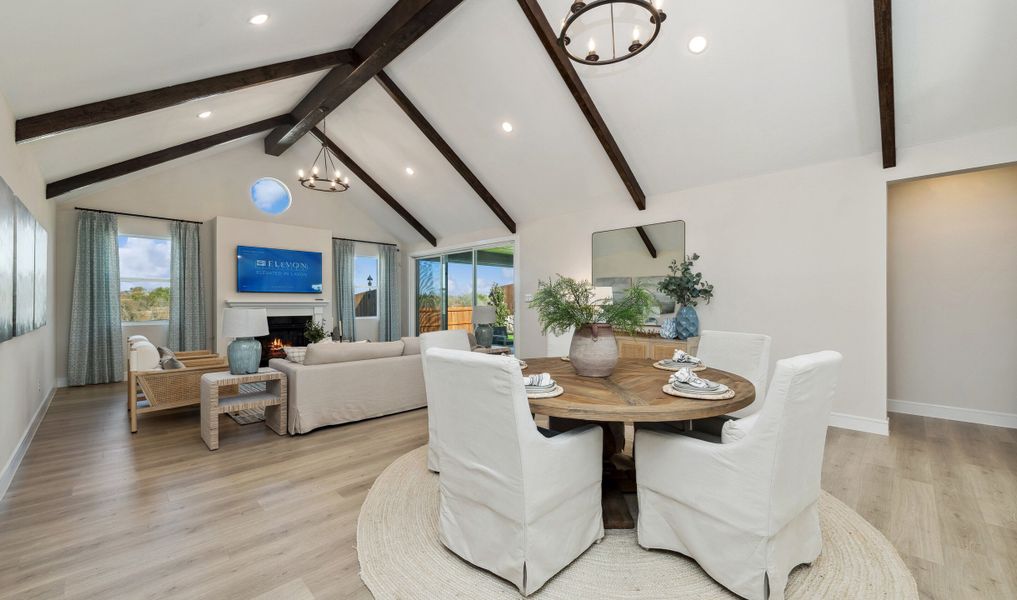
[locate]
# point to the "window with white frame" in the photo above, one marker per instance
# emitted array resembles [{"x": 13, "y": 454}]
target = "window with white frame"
[{"x": 144, "y": 278}]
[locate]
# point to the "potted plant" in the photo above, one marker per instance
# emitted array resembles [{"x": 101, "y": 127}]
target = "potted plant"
[
  {"x": 314, "y": 331},
  {"x": 687, "y": 289},
  {"x": 566, "y": 303}
]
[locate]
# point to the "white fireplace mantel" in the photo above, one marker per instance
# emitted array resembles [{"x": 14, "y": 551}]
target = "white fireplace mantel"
[{"x": 284, "y": 307}]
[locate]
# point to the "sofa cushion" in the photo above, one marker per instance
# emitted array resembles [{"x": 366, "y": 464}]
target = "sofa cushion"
[
  {"x": 295, "y": 354},
  {"x": 411, "y": 345},
  {"x": 323, "y": 354},
  {"x": 147, "y": 357}
]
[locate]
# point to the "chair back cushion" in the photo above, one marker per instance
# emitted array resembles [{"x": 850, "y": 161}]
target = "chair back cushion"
[
  {"x": 144, "y": 357},
  {"x": 790, "y": 430},
  {"x": 483, "y": 419},
  {"x": 745, "y": 354},
  {"x": 323, "y": 354},
  {"x": 449, "y": 340}
]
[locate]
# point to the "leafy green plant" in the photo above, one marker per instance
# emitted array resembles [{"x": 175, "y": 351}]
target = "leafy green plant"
[
  {"x": 683, "y": 286},
  {"x": 501, "y": 309},
  {"x": 314, "y": 331},
  {"x": 566, "y": 303}
]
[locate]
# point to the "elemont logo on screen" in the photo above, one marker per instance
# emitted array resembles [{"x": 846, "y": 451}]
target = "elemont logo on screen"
[{"x": 282, "y": 264}]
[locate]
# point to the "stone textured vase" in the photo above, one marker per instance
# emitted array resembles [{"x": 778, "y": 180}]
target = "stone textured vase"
[
  {"x": 594, "y": 350},
  {"x": 244, "y": 356},
  {"x": 688, "y": 322}
]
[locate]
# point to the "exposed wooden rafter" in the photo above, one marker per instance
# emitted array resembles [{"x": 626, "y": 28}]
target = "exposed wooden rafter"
[
  {"x": 131, "y": 105},
  {"x": 646, "y": 241},
  {"x": 402, "y": 25},
  {"x": 884, "y": 74},
  {"x": 535, "y": 15},
  {"x": 375, "y": 186},
  {"x": 119, "y": 169},
  {"x": 439, "y": 142}
]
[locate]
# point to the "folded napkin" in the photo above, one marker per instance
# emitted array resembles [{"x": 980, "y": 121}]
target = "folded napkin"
[
  {"x": 686, "y": 381},
  {"x": 541, "y": 382},
  {"x": 681, "y": 357}
]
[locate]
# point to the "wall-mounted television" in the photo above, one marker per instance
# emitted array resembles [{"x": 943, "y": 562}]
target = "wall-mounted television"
[{"x": 275, "y": 271}]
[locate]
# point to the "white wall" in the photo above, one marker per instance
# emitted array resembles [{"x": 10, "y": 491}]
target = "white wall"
[
  {"x": 799, "y": 254},
  {"x": 200, "y": 190},
  {"x": 26, "y": 362},
  {"x": 952, "y": 266}
]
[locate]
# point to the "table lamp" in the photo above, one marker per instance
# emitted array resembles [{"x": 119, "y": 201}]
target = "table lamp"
[
  {"x": 483, "y": 324},
  {"x": 244, "y": 324}
]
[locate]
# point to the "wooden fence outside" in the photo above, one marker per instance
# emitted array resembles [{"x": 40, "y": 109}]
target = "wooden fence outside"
[{"x": 459, "y": 317}]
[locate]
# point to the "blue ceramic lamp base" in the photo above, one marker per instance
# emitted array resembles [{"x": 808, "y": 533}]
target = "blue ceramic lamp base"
[{"x": 244, "y": 356}]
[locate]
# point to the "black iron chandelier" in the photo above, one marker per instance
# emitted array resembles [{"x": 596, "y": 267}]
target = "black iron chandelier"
[
  {"x": 318, "y": 179},
  {"x": 583, "y": 11}
]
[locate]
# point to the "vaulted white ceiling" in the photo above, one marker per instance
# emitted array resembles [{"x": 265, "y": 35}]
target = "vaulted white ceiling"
[{"x": 781, "y": 84}]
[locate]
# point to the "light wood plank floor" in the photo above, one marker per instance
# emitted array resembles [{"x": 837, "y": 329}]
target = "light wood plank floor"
[{"x": 95, "y": 512}]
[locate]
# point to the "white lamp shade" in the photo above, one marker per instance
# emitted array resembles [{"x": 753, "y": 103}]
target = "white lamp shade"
[
  {"x": 244, "y": 322},
  {"x": 484, "y": 315},
  {"x": 603, "y": 293}
]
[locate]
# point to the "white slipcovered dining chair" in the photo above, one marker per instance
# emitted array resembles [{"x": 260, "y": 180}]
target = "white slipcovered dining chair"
[
  {"x": 559, "y": 345},
  {"x": 747, "y": 509},
  {"x": 451, "y": 340},
  {"x": 745, "y": 354},
  {"x": 512, "y": 501}
]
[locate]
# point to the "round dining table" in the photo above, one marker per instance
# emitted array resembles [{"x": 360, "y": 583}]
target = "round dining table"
[{"x": 633, "y": 393}]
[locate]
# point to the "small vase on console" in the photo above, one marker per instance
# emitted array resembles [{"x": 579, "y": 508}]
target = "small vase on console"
[
  {"x": 687, "y": 322},
  {"x": 594, "y": 350}
]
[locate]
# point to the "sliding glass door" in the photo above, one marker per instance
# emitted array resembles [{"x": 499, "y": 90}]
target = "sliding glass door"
[{"x": 450, "y": 285}]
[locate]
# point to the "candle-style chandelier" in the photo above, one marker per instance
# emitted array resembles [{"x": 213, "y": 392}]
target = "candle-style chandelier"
[
  {"x": 324, "y": 163},
  {"x": 583, "y": 15}
]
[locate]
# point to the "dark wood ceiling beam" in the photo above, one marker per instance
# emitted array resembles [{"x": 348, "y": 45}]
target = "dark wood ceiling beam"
[
  {"x": 646, "y": 241},
  {"x": 402, "y": 25},
  {"x": 375, "y": 186},
  {"x": 535, "y": 15},
  {"x": 884, "y": 75},
  {"x": 132, "y": 105},
  {"x": 152, "y": 159},
  {"x": 442, "y": 146}
]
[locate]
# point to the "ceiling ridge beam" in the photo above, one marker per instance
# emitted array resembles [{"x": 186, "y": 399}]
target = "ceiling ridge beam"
[
  {"x": 884, "y": 75},
  {"x": 374, "y": 185},
  {"x": 62, "y": 186},
  {"x": 104, "y": 111},
  {"x": 444, "y": 148},
  {"x": 402, "y": 25},
  {"x": 535, "y": 15}
]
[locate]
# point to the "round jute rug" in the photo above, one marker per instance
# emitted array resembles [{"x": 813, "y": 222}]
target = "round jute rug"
[{"x": 401, "y": 556}]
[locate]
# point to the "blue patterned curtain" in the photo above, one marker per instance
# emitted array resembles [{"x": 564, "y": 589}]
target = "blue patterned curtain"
[
  {"x": 187, "y": 298},
  {"x": 342, "y": 264},
  {"x": 388, "y": 293},
  {"x": 95, "y": 353}
]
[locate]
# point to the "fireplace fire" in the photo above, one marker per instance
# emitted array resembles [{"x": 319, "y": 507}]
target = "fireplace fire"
[{"x": 282, "y": 332}]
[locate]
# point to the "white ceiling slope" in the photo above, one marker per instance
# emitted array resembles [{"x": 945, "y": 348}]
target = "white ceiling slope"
[{"x": 782, "y": 84}]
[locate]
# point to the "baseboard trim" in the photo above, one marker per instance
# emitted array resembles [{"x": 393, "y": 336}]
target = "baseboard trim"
[
  {"x": 864, "y": 424},
  {"x": 7, "y": 475},
  {"x": 61, "y": 382},
  {"x": 953, "y": 413}
]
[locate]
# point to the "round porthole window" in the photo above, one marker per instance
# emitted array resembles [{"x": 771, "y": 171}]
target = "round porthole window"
[{"x": 271, "y": 196}]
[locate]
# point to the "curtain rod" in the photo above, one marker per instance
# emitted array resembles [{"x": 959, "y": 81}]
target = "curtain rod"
[
  {"x": 366, "y": 242},
  {"x": 127, "y": 214}
]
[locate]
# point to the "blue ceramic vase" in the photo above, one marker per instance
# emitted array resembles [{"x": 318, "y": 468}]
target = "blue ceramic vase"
[
  {"x": 669, "y": 329},
  {"x": 244, "y": 356},
  {"x": 688, "y": 322}
]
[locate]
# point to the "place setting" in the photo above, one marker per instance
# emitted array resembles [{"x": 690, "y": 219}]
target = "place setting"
[
  {"x": 542, "y": 386},
  {"x": 680, "y": 360},
  {"x": 686, "y": 384}
]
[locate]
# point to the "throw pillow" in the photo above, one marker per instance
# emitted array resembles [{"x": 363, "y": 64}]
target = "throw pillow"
[
  {"x": 136, "y": 338},
  {"x": 170, "y": 362},
  {"x": 165, "y": 352},
  {"x": 295, "y": 354},
  {"x": 144, "y": 357}
]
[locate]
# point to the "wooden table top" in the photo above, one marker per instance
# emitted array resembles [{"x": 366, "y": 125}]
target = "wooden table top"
[{"x": 632, "y": 393}]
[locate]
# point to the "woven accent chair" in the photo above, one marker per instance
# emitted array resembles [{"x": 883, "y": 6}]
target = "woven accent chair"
[{"x": 151, "y": 391}]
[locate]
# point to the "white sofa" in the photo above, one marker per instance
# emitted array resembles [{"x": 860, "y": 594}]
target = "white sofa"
[{"x": 358, "y": 381}]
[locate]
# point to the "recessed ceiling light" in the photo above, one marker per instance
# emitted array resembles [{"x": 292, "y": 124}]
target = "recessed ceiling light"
[
  {"x": 697, "y": 44},
  {"x": 204, "y": 115},
  {"x": 410, "y": 171},
  {"x": 258, "y": 20},
  {"x": 506, "y": 127}
]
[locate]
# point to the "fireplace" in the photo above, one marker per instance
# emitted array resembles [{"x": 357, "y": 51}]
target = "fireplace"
[{"x": 282, "y": 331}]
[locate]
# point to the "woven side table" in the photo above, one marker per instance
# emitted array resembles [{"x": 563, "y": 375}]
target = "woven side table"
[{"x": 273, "y": 400}]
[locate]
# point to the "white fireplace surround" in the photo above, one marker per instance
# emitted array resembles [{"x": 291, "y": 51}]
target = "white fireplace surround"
[{"x": 316, "y": 309}]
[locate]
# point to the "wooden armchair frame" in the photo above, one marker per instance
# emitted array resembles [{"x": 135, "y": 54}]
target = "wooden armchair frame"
[{"x": 152, "y": 391}]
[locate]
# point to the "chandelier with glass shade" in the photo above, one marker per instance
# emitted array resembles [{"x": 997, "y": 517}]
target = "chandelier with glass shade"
[
  {"x": 325, "y": 163},
  {"x": 605, "y": 19}
]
